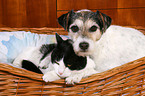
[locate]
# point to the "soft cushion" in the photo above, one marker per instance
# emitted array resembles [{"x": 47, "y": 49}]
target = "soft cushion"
[{"x": 13, "y": 43}]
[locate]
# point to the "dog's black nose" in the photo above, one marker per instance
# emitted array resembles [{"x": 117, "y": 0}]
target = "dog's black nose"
[{"x": 84, "y": 45}]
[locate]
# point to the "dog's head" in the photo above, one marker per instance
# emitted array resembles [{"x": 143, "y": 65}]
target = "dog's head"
[{"x": 85, "y": 28}]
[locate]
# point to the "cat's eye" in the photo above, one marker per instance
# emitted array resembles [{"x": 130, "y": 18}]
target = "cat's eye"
[
  {"x": 75, "y": 28},
  {"x": 68, "y": 65},
  {"x": 56, "y": 62},
  {"x": 93, "y": 28}
]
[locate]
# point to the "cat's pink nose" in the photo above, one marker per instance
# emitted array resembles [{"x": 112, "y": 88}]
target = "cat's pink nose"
[{"x": 60, "y": 73}]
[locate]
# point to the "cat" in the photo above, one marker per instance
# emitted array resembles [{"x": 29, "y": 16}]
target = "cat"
[{"x": 57, "y": 61}]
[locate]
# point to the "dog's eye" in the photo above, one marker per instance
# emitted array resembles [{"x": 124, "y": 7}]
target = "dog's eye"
[
  {"x": 75, "y": 28},
  {"x": 93, "y": 29}
]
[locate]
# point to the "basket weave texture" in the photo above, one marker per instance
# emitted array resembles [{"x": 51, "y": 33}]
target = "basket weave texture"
[{"x": 125, "y": 80}]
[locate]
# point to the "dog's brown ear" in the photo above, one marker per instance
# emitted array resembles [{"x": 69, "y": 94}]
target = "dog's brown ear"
[
  {"x": 104, "y": 20},
  {"x": 64, "y": 20}
]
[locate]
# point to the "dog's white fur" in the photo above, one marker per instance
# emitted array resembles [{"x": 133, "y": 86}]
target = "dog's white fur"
[{"x": 117, "y": 46}]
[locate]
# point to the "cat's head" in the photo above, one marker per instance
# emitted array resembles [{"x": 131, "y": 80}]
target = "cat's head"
[
  {"x": 64, "y": 58},
  {"x": 61, "y": 47},
  {"x": 58, "y": 53}
]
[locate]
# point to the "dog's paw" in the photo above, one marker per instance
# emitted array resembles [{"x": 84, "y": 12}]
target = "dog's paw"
[
  {"x": 73, "y": 79},
  {"x": 49, "y": 77}
]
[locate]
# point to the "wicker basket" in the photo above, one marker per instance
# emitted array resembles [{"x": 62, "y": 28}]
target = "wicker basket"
[{"x": 125, "y": 80}]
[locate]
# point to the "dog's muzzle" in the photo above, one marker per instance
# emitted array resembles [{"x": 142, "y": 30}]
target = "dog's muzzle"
[{"x": 84, "y": 46}]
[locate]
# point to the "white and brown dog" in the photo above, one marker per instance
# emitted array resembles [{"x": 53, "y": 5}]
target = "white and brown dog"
[{"x": 109, "y": 46}]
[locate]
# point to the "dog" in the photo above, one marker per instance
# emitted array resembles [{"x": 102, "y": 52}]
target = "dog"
[{"x": 108, "y": 45}]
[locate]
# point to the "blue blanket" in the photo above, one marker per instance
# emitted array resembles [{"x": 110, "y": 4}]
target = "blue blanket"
[{"x": 13, "y": 43}]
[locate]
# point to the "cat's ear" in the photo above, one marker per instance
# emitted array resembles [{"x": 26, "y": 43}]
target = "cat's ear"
[
  {"x": 58, "y": 38},
  {"x": 70, "y": 41}
]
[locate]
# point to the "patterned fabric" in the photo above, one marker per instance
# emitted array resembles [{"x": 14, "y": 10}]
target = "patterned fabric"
[{"x": 12, "y": 43}]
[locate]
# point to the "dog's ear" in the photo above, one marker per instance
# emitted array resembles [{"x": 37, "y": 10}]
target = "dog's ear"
[
  {"x": 58, "y": 39},
  {"x": 64, "y": 19},
  {"x": 104, "y": 20}
]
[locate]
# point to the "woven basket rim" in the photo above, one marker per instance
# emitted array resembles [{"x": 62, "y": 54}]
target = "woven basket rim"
[{"x": 95, "y": 77}]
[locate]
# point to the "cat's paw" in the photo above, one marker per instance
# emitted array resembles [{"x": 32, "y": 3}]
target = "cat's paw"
[
  {"x": 50, "y": 76},
  {"x": 44, "y": 63},
  {"x": 73, "y": 79},
  {"x": 43, "y": 67}
]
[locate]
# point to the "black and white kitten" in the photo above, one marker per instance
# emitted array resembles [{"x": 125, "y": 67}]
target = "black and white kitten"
[{"x": 59, "y": 60}]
